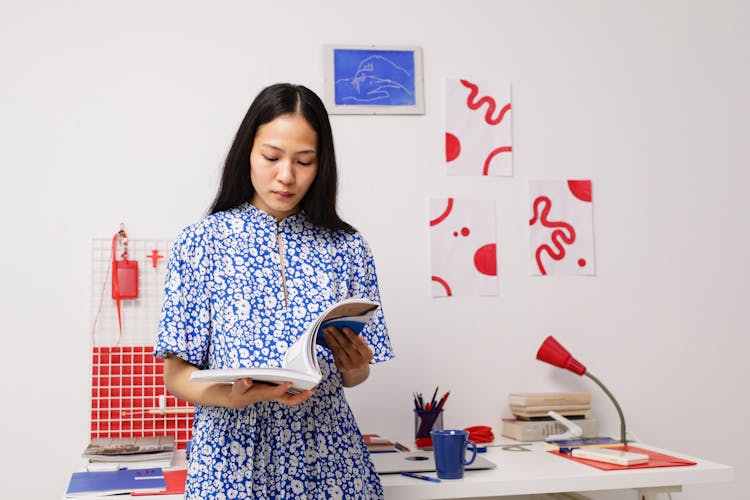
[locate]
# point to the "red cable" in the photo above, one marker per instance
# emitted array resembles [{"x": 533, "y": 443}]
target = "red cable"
[{"x": 480, "y": 433}]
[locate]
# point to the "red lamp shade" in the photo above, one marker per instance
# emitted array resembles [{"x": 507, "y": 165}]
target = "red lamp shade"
[{"x": 553, "y": 353}]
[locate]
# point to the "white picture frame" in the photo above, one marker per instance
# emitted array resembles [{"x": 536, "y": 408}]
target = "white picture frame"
[{"x": 374, "y": 80}]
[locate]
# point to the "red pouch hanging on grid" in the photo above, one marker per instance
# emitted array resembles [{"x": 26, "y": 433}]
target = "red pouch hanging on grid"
[{"x": 124, "y": 273}]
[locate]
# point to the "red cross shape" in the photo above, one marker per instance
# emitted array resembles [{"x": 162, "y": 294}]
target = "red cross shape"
[{"x": 154, "y": 256}]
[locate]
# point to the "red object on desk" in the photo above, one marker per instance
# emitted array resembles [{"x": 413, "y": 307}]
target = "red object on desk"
[
  {"x": 654, "y": 459},
  {"x": 175, "y": 484},
  {"x": 480, "y": 433},
  {"x": 425, "y": 442}
]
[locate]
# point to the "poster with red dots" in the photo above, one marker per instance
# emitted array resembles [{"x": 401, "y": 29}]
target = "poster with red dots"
[
  {"x": 478, "y": 139},
  {"x": 463, "y": 251},
  {"x": 561, "y": 227}
]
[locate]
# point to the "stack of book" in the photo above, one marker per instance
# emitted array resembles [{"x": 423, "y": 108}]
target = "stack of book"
[
  {"x": 532, "y": 405},
  {"x": 377, "y": 444},
  {"x": 116, "y": 482},
  {"x": 132, "y": 452},
  {"x": 532, "y": 422}
]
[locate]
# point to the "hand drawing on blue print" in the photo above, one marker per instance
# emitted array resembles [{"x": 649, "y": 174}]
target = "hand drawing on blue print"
[{"x": 374, "y": 77}]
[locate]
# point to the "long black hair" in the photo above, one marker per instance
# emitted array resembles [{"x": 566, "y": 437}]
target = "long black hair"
[{"x": 319, "y": 203}]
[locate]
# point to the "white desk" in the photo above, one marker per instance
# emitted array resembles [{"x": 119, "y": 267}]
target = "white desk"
[{"x": 540, "y": 472}]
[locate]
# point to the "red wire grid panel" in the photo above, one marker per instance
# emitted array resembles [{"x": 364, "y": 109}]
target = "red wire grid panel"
[{"x": 128, "y": 397}]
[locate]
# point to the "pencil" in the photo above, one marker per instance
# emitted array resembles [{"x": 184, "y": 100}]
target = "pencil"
[
  {"x": 443, "y": 400},
  {"x": 434, "y": 395},
  {"x": 401, "y": 447}
]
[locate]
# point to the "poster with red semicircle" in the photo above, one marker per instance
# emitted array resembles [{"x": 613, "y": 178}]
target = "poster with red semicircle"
[{"x": 463, "y": 248}]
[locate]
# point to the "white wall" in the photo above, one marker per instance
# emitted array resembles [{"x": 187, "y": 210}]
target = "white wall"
[{"x": 123, "y": 111}]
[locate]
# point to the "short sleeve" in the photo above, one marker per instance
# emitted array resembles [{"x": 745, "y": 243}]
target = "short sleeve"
[
  {"x": 364, "y": 283},
  {"x": 185, "y": 322}
]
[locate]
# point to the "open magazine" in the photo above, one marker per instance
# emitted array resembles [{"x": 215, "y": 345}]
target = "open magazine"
[{"x": 300, "y": 364}]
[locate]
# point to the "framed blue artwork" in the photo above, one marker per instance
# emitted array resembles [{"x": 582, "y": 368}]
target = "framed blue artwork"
[{"x": 371, "y": 80}]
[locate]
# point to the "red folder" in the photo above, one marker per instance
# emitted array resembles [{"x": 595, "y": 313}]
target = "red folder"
[
  {"x": 654, "y": 459},
  {"x": 175, "y": 483}
]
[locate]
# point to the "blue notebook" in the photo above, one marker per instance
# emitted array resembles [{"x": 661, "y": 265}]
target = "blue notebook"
[
  {"x": 355, "y": 324},
  {"x": 353, "y": 316},
  {"x": 118, "y": 482}
]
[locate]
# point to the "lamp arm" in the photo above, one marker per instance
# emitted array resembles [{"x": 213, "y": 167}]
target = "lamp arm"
[{"x": 623, "y": 439}]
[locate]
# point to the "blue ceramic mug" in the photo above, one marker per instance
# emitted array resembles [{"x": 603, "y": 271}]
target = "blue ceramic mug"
[{"x": 450, "y": 452}]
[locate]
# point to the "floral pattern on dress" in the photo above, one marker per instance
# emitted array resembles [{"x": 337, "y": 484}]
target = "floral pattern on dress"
[{"x": 227, "y": 306}]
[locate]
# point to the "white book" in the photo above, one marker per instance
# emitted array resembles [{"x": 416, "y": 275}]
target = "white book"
[
  {"x": 300, "y": 363},
  {"x": 102, "y": 465},
  {"x": 618, "y": 457},
  {"x": 538, "y": 430}
]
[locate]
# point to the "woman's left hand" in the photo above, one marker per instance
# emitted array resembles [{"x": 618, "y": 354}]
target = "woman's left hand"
[{"x": 351, "y": 354}]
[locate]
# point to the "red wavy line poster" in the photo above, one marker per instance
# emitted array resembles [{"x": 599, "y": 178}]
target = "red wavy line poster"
[
  {"x": 478, "y": 138},
  {"x": 561, "y": 227}
]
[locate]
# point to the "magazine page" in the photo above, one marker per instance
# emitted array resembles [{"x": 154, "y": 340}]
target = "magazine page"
[
  {"x": 301, "y": 356},
  {"x": 300, "y": 381}
]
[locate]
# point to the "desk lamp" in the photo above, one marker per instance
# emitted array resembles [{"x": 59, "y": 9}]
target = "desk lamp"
[{"x": 553, "y": 353}]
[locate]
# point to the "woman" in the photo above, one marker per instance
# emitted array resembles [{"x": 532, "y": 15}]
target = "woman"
[{"x": 242, "y": 285}]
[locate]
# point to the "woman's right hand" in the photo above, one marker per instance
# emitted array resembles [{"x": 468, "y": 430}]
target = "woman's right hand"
[{"x": 245, "y": 392}]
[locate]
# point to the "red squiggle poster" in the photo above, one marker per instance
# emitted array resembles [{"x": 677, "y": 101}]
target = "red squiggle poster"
[
  {"x": 478, "y": 138},
  {"x": 561, "y": 227}
]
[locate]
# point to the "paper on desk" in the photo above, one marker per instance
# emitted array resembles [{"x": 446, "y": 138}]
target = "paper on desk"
[
  {"x": 175, "y": 483},
  {"x": 654, "y": 459}
]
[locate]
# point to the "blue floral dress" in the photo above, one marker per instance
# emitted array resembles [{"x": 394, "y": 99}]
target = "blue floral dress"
[{"x": 227, "y": 305}]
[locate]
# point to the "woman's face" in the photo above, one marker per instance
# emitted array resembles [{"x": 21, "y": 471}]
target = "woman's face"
[{"x": 283, "y": 164}]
